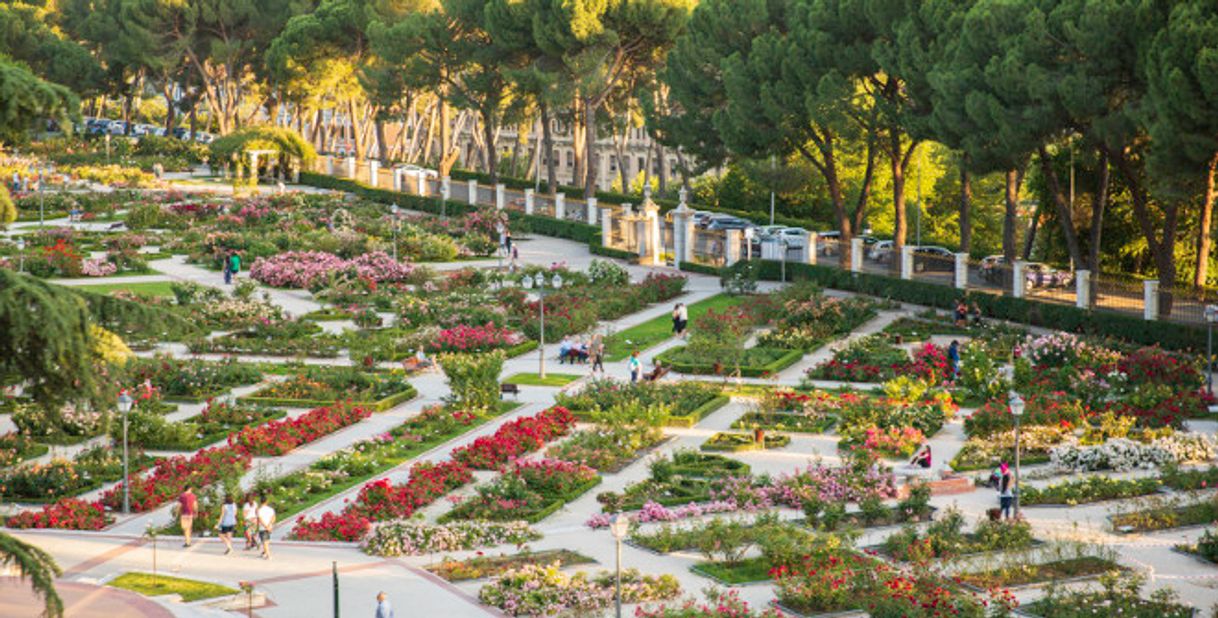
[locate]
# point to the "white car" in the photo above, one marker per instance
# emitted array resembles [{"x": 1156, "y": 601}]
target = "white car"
[
  {"x": 881, "y": 251},
  {"x": 415, "y": 170}
]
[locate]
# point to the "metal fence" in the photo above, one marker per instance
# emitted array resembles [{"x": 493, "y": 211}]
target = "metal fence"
[{"x": 1101, "y": 290}]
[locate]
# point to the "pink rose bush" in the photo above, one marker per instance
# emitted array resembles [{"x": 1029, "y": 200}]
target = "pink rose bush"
[
  {"x": 462, "y": 338},
  {"x": 304, "y": 269}
]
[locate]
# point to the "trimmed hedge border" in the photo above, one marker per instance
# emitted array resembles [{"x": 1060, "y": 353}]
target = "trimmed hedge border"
[
  {"x": 788, "y": 358},
  {"x": 1168, "y": 335},
  {"x": 693, "y": 418},
  {"x": 376, "y": 406},
  {"x": 520, "y": 348},
  {"x": 779, "y": 441}
]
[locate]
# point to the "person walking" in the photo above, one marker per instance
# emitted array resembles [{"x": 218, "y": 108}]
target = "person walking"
[
  {"x": 683, "y": 316},
  {"x": 188, "y": 505},
  {"x": 1006, "y": 490},
  {"x": 266, "y": 523},
  {"x": 249, "y": 516},
  {"x": 598, "y": 354},
  {"x": 953, "y": 356},
  {"x": 234, "y": 263},
  {"x": 507, "y": 241},
  {"x": 228, "y": 271},
  {"x": 228, "y": 523},
  {"x": 383, "y": 608},
  {"x": 635, "y": 366}
]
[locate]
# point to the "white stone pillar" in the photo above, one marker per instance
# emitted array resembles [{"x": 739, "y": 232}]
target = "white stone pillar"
[
  {"x": 397, "y": 179},
  {"x": 731, "y": 247},
  {"x": 374, "y": 173},
  {"x": 560, "y": 206},
  {"x": 1082, "y": 289},
  {"x": 907, "y": 261},
  {"x": 771, "y": 249},
  {"x": 856, "y": 255},
  {"x": 606, "y": 225},
  {"x": 446, "y": 188},
  {"x": 810, "y": 248},
  {"x": 351, "y": 168},
  {"x": 472, "y": 188},
  {"x": 329, "y": 165},
  {"x": 682, "y": 234},
  {"x": 1150, "y": 299},
  {"x": 641, "y": 236},
  {"x": 961, "y": 271},
  {"x": 500, "y": 196},
  {"x": 655, "y": 247},
  {"x": 421, "y": 184},
  {"x": 1018, "y": 281},
  {"x": 592, "y": 208},
  {"x": 529, "y": 202}
]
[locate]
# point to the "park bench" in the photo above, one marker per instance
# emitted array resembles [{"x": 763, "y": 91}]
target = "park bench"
[{"x": 509, "y": 389}]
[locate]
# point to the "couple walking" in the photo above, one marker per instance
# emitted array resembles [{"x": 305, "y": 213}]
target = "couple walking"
[{"x": 259, "y": 520}]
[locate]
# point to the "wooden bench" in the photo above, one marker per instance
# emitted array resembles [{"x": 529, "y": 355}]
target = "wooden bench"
[
  {"x": 509, "y": 389},
  {"x": 946, "y": 485}
]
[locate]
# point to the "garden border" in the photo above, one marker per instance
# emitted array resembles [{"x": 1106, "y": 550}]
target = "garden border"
[{"x": 380, "y": 405}]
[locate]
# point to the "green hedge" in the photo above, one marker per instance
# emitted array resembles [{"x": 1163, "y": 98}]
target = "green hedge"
[
  {"x": 376, "y": 406},
  {"x": 701, "y": 269},
  {"x": 788, "y": 358},
  {"x": 520, "y": 348},
  {"x": 744, "y": 442},
  {"x": 597, "y": 248},
  {"x": 699, "y": 413},
  {"x": 1068, "y": 318}
]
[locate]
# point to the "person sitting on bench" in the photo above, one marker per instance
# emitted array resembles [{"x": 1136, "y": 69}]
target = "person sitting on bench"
[
  {"x": 657, "y": 371},
  {"x": 921, "y": 459},
  {"x": 580, "y": 351},
  {"x": 564, "y": 351}
]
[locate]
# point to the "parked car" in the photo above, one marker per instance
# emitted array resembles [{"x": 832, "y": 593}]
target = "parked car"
[
  {"x": 728, "y": 222},
  {"x": 881, "y": 251},
  {"x": 833, "y": 238},
  {"x": 992, "y": 267},
  {"x": 795, "y": 237},
  {"x": 415, "y": 170},
  {"x": 931, "y": 257},
  {"x": 117, "y": 127},
  {"x": 1038, "y": 275}
]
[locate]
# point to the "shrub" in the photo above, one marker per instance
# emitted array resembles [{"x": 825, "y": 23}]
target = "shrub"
[{"x": 473, "y": 378}]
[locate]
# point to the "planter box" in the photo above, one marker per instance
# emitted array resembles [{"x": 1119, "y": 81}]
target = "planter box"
[{"x": 784, "y": 360}]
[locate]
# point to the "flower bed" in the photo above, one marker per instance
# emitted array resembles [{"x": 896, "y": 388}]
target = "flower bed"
[
  {"x": 60, "y": 478},
  {"x": 278, "y": 437},
  {"x": 688, "y": 402},
  {"x": 606, "y": 449},
  {"x": 1087, "y": 490},
  {"x": 515, "y": 439},
  {"x": 1163, "y": 512},
  {"x": 480, "y": 567},
  {"x": 381, "y": 500},
  {"x": 213, "y": 424},
  {"x": 534, "y": 590},
  {"x": 192, "y": 380},
  {"x": 753, "y": 362},
  {"x": 462, "y": 338},
  {"x": 874, "y": 359},
  {"x": 740, "y": 442},
  {"x": 682, "y": 478},
  {"x": 808, "y": 318},
  {"x": 16, "y": 448},
  {"x": 1028, "y": 574},
  {"x": 66, "y": 514},
  {"x": 1125, "y": 454},
  {"x": 884, "y": 442},
  {"x": 945, "y": 538},
  {"x": 272, "y": 338},
  {"x": 414, "y": 538},
  {"x": 305, "y": 269},
  {"x": 794, "y": 423},
  {"x": 323, "y": 387},
  {"x": 1119, "y": 596},
  {"x": 171, "y": 475},
  {"x": 530, "y": 490},
  {"x": 986, "y": 453}
]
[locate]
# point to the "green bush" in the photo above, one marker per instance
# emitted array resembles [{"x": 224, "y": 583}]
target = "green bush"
[{"x": 473, "y": 378}]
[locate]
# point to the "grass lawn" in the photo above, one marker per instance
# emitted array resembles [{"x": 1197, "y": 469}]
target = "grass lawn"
[
  {"x": 551, "y": 379},
  {"x": 656, "y": 330},
  {"x": 189, "y": 589},
  {"x": 743, "y": 572},
  {"x": 146, "y": 288}
]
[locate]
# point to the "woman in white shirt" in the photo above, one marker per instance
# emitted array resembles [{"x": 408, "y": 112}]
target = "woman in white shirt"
[{"x": 249, "y": 516}]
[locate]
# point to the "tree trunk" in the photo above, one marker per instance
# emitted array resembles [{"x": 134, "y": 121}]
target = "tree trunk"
[
  {"x": 382, "y": 146},
  {"x": 1009, "y": 221},
  {"x": 1098, "y": 205},
  {"x": 589, "y": 144},
  {"x": 170, "y": 110},
  {"x": 1030, "y": 241},
  {"x": 899, "y": 225},
  {"x": 1063, "y": 208},
  {"x": 446, "y": 158},
  {"x": 547, "y": 136},
  {"x": 356, "y": 142},
  {"x": 1201, "y": 272},
  {"x": 492, "y": 155},
  {"x": 663, "y": 169},
  {"x": 579, "y": 137},
  {"x": 966, "y": 206},
  {"x": 689, "y": 190}
]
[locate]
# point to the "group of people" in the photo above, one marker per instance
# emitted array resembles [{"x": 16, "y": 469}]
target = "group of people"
[
  {"x": 581, "y": 351},
  {"x": 232, "y": 266},
  {"x": 258, "y": 517},
  {"x": 966, "y": 314},
  {"x": 1000, "y": 479},
  {"x": 680, "y": 320}
]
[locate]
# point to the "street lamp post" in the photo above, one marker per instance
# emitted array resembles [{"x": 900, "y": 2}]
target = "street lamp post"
[
  {"x": 124, "y": 405},
  {"x": 1211, "y": 318},
  {"x": 395, "y": 210},
  {"x": 21, "y": 255},
  {"x": 782, "y": 245},
  {"x": 748, "y": 243},
  {"x": 619, "y": 527},
  {"x": 540, "y": 282},
  {"x": 1017, "y": 405}
]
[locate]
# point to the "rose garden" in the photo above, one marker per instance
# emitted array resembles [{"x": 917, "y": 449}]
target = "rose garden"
[{"x": 354, "y": 374}]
